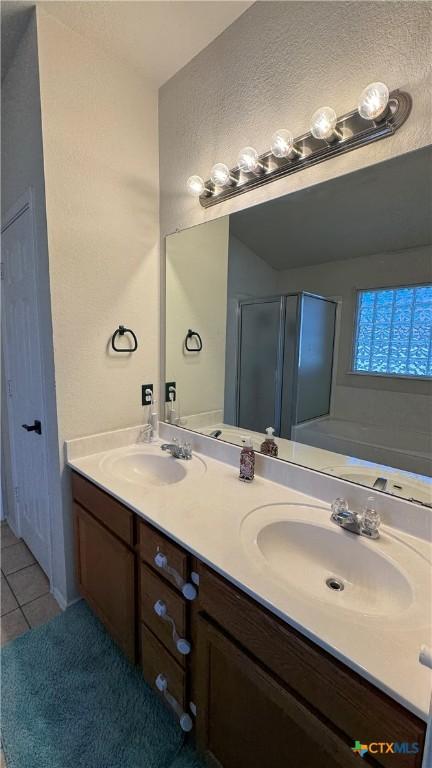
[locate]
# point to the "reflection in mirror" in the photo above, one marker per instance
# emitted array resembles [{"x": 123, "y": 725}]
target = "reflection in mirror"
[{"x": 315, "y": 316}]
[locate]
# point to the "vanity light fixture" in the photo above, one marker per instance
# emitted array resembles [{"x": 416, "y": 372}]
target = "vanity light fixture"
[
  {"x": 282, "y": 145},
  {"x": 248, "y": 160},
  {"x": 323, "y": 125},
  {"x": 196, "y": 186},
  {"x": 221, "y": 176},
  {"x": 374, "y": 102},
  {"x": 379, "y": 114}
]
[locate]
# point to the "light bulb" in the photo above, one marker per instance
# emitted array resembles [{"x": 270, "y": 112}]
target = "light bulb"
[
  {"x": 282, "y": 143},
  {"x": 220, "y": 175},
  {"x": 195, "y": 185},
  {"x": 248, "y": 160},
  {"x": 373, "y": 102},
  {"x": 323, "y": 124}
]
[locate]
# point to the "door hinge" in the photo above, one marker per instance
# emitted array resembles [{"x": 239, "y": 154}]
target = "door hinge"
[
  {"x": 9, "y": 388},
  {"x": 16, "y": 492},
  {"x": 1, "y": 270}
]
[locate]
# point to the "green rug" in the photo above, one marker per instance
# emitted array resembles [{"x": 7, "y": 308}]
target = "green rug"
[{"x": 70, "y": 699}]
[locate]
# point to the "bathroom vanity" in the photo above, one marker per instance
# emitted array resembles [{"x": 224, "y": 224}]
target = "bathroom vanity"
[{"x": 257, "y": 691}]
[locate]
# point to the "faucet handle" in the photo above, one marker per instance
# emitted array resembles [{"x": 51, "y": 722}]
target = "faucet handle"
[
  {"x": 187, "y": 450},
  {"x": 370, "y": 520},
  {"x": 340, "y": 510}
]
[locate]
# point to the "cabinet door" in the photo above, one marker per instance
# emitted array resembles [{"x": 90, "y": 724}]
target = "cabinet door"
[
  {"x": 106, "y": 575},
  {"x": 247, "y": 719}
]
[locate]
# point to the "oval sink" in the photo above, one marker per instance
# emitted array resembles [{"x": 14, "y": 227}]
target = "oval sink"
[
  {"x": 143, "y": 466},
  {"x": 398, "y": 483},
  {"x": 312, "y": 556}
]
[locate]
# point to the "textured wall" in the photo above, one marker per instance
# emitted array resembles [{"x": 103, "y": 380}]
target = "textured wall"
[
  {"x": 99, "y": 121},
  {"x": 271, "y": 68},
  {"x": 196, "y": 297},
  {"x": 100, "y": 150}
]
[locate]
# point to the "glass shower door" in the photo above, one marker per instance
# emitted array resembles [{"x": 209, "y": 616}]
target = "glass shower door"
[{"x": 260, "y": 363}]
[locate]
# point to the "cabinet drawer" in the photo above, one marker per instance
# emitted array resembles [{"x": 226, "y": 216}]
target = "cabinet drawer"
[
  {"x": 110, "y": 512},
  {"x": 151, "y": 543},
  {"x": 152, "y": 590},
  {"x": 156, "y": 660},
  {"x": 353, "y": 706}
]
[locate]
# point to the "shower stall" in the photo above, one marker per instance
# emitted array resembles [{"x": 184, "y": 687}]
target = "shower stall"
[{"x": 284, "y": 361}]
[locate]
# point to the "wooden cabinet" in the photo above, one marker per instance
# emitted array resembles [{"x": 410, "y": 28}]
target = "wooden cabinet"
[
  {"x": 346, "y": 702},
  {"x": 106, "y": 576},
  {"x": 265, "y": 696},
  {"x": 248, "y": 719}
]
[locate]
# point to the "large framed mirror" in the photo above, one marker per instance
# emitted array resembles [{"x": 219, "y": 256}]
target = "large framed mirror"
[{"x": 311, "y": 314}]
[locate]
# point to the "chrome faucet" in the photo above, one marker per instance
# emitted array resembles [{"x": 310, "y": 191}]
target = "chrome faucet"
[
  {"x": 182, "y": 450},
  {"x": 365, "y": 523}
]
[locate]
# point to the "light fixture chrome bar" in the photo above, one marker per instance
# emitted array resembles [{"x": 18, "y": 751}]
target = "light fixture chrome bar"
[{"x": 355, "y": 132}]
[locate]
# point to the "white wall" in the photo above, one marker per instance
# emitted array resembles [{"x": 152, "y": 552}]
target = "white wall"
[
  {"x": 99, "y": 122},
  {"x": 196, "y": 297},
  {"x": 100, "y": 145},
  {"x": 22, "y": 167},
  {"x": 271, "y": 68}
]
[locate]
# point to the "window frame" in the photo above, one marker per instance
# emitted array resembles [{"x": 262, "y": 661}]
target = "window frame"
[{"x": 379, "y": 374}]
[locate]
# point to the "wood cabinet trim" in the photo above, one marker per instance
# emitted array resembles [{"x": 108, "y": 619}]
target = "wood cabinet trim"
[
  {"x": 124, "y": 635},
  {"x": 117, "y": 518},
  {"x": 322, "y": 687},
  {"x": 353, "y": 705},
  {"x": 153, "y": 588},
  {"x": 211, "y": 637},
  {"x": 150, "y": 542},
  {"x": 156, "y": 659}
]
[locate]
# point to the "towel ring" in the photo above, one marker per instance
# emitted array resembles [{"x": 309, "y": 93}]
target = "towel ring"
[
  {"x": 190, "y": 335},
  {"x": 121, "y": 330}
]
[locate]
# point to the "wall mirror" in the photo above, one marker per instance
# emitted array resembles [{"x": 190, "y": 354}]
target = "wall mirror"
[{"x": 312, "y": 314}]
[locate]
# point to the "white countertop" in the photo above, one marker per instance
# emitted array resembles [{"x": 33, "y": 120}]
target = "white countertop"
[{"x": 205, "y": 513}]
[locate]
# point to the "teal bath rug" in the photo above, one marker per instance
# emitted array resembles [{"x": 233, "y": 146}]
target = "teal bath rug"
[{"x": 71, "y": 700}]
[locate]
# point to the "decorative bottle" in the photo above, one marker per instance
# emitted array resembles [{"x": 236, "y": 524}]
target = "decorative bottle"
[
  {"x": 269, "y": 447},
  {"x": 247, "y": 461}
]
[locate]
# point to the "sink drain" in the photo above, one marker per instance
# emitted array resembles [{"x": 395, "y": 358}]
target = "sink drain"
[{"x": 336, "y": 584}]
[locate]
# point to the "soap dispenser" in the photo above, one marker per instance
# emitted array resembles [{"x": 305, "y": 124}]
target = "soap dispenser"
[
  {"x": 269, "y": 447},
  {"x": 247, "y": 461}
]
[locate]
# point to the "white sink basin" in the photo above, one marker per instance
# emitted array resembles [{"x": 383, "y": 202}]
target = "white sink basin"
[
  {"x": 398, "y": 483},
  {"x": 146, "y": 465},
  {"x": 313, "y": 557}
]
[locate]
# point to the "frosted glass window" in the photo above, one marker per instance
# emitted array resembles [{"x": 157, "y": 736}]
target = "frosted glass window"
[{"x": 393, "y": 332}]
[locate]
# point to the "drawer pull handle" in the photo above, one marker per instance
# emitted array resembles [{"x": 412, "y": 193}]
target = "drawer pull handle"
[
  {"x": 185, "y": 720},
  {"x": 183, "y": 646},
  {"x": 188, "y": 590}
]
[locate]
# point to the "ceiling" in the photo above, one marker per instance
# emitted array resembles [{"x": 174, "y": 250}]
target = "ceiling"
[
  {"x": 157, "y": 38},
  {"x": 383, "y": 208}
]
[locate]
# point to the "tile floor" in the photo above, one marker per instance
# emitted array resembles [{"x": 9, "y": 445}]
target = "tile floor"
[{"x": 26, "y": 601}]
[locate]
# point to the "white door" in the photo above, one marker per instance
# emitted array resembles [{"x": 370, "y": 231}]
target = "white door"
[{"x": 23, "y": 375}]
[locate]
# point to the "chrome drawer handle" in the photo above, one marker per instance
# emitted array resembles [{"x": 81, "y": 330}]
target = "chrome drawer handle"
[
  {"x": 185, "y": 720},
  {"x": 188, "y": 590},
  {"x": 183, "y": 646}
]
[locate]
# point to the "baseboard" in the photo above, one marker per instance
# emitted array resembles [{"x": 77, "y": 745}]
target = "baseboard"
[{"x": 60, "y": 598}]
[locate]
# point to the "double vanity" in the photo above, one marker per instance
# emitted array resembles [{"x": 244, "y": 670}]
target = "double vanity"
[{"x": 277, "y": 636}]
